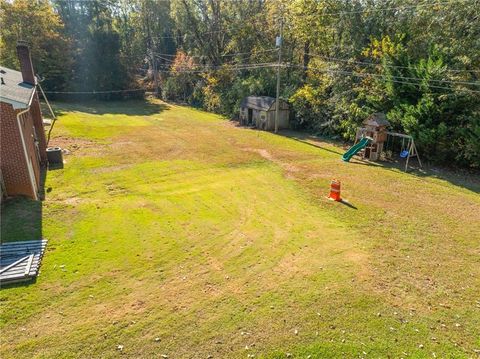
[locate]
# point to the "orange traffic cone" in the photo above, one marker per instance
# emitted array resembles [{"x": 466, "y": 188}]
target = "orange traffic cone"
[{"x": 335, "y": 191}]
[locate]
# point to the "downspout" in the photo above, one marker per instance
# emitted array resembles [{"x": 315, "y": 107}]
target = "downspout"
[
  {"x": 54, "y": 118},
  {"x": 29, "y": 164}
]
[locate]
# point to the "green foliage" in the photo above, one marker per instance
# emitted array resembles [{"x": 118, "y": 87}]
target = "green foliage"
[
  {"x": 38, "y": 24},
  {"x": 421, "y": 101},
  {"x": 180, "y": 85},
  {"x": 97, "y": 46},
  {"x": 418, "y": 64},
  {"x": 223, "y": 90},
  {"x": 418, "y": 78},
  {"x": 310, "y": 106}
]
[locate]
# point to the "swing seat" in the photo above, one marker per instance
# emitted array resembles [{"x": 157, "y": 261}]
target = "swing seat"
[{"x": 404, "y": 154}]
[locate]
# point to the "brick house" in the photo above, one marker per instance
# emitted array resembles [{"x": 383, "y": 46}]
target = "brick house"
[{"x": 22, "y": 135}]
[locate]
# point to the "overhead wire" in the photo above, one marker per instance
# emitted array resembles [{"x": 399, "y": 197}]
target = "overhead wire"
[
  {"x": 95, "y": 91},
  {"x": 180, "y": 36},
  {"x": 363, "y": 63},
  {"x": 203, "y": 69},
  {"x": 366, "y": 74},
  {"x": 387, "y": 9},
  {"x": 251, "y": 66},
  {"x": 224, "y": 55}
]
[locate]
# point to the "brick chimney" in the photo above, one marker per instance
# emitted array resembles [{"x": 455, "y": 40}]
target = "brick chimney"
[{"x": 26, "y": 67}]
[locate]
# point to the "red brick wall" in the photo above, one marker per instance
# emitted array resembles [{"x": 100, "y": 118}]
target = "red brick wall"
[{"x": 12, "y": 157}]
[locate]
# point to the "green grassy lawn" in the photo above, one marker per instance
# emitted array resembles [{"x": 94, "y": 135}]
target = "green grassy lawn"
[{"x": 173, "y": 232}]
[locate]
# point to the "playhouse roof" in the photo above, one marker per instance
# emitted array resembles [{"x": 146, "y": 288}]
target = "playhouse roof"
[{"x": 377, "y": 119}]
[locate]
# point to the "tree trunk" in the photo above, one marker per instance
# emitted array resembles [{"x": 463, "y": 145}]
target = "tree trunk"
[{"x": 306, "y": 59}]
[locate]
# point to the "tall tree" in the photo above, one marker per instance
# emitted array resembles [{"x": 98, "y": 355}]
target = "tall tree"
[
  {"x": 38, "y": 24},
  {"x": 97, "y": 61}
]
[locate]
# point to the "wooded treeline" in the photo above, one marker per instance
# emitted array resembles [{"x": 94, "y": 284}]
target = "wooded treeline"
[{"x": 418, "y": 62}]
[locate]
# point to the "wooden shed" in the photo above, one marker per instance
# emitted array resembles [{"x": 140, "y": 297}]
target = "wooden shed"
[{"x": 259, "y": 111}]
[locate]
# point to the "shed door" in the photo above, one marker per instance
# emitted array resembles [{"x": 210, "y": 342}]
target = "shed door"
[{"x": 250, "y": 116}]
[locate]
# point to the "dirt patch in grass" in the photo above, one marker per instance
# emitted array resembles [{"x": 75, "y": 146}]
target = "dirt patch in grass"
[
  {"x": 109, "y": 169},
  {"x": 72, "y": 201},
  {"x": 78, "y": 146},
  {"x": 287, "y": 167},
  {"x": 72, "y": 144}
]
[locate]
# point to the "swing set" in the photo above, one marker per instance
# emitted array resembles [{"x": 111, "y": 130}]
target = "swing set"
[
  {"x": 374, "y": 141},
  {"x": 406, "y": 147}
]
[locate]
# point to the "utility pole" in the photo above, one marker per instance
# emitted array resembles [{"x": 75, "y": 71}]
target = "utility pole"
[
  {"x": 279, "y": 43},
  {"x": 155, "y": 73}
]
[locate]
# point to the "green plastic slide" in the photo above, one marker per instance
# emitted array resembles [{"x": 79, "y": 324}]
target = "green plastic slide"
[{"x": 354, "y": 149}]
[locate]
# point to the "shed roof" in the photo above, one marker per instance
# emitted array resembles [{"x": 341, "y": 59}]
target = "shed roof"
[
  {"x": 13, "y": 90},
  {"x": 262, "y": 103}
]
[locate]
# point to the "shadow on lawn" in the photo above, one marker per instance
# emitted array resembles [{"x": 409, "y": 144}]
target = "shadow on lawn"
[
  {"x": 21, "y": 217},
  {"x": 461, "y": 178},
  {"x": 310, "y": 140},
  {"x": 21, "y": 220},
  {"x": 347, "y": 203},
  {"x": 143, "y": 107}
]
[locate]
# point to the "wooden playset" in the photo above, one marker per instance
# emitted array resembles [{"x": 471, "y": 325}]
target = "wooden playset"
[
  {"x": 375, "y": 129},
  {"x": 373, "y": 140}
]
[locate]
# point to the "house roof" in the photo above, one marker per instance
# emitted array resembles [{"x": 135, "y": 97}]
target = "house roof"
[
  {"x": 262, "y": 103},
  {"x": 13, "y": 90}
]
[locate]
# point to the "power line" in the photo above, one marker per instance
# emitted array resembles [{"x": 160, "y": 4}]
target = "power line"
[
  {"x": 363, "y": 63},
  {"x": 380, "y": 76},
  {"x": 207, "y": 67},
  {"x": 218, "y": 68},
  {"x": 266, "y": 65},
  {"x": 94, "y": 91},
  {"x": 164, "y": 58},
  {"x": 226, "y": 63},
  {"x": 439, "y": 81},
  {"x": 431, "y": 80},
  {"x": 196, "y": 68},
  {"x": 387, "y": 9},
  {"x": 180, "y": 36},
  {"x": 225, "y": 55}
]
